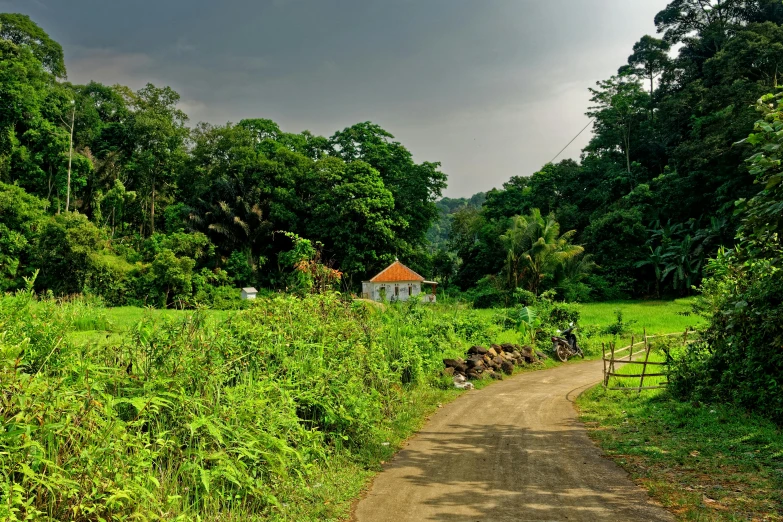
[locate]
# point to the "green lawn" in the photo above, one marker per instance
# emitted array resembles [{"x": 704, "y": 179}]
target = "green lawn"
[
  {"x": 656, "y": 317},
  {"x": 108, "y": 325},
  {"x": 701, "y": 461}
]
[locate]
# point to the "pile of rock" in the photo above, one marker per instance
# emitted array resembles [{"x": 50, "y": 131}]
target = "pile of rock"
[{"x": 491, "y": 362}]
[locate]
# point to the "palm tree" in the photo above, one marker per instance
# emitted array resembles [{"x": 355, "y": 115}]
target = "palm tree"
[
  {"x": 234, "y": 221},
  {"x": 536, "y": 249}
]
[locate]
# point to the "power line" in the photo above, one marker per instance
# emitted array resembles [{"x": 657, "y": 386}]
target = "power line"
[{"x": 570, "y": 142}]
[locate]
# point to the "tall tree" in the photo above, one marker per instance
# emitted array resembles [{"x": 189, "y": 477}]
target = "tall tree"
[
  {"x": 157, "y": 132},
  {"x": 649, "y": 59},
  {"x": 415, "y": 187},
  {"x": 619, "y": 105},
  {"x": 20, "y": 30}
]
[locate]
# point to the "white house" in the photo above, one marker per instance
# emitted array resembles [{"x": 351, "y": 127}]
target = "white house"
[
  {"x": 249, "y": 293},
  {"x": 397, "y": 282}
]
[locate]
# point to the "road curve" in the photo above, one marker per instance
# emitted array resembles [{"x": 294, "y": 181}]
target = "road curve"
[{"x": 512, "y": 451}]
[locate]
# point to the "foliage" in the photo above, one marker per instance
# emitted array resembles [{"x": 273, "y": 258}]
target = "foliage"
[
  {"x": 309, "y": 274},
  {"x": 654, "y": 194},
  {"x": 619, "y": 327},
  {"x": 529, "y": 322},
  {"x": 535, "y": 249},
  {"x": 740, "y": 357},
  {"x": 196, "y": 418},
  {"x": 20, "y": 30},
  {"x": 138, "y": 171}
]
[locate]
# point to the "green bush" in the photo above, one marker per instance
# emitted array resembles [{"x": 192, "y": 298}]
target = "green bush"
[
  {"x": 740, "y": 358},
  {"x": 63, "y": 252},
  {"x": 189, "y": 418}
]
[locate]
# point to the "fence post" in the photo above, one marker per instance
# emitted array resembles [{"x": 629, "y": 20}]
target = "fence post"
[
  {"x": 611, "y": 358},
  {"x": 606, "y": 377},
  {"x": 630, "y": 354},
  {"x": 644, "y": 366},
  {"x": 685, "y": 336}
]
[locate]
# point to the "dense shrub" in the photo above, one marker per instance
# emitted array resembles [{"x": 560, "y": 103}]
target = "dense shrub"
[
  {"x": 63, "y": 252},
  {"x": 21, "y": 216},
  {"x": 740, "y": 359},
  {"x": 189, "y": 417}
]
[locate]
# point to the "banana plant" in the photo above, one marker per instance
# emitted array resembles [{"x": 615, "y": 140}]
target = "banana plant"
[{"x": 529, "y": 324}]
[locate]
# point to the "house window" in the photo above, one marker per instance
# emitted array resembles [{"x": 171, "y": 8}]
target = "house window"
[
  {"x": 396, "y": 290},
  {"x": 410, "y": 290}
]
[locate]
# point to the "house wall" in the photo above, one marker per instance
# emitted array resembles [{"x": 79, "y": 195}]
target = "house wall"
[{"x": 406, "y": 289}]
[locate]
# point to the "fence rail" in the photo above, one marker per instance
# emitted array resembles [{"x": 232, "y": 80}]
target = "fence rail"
[{"x": 614, "y": 357}]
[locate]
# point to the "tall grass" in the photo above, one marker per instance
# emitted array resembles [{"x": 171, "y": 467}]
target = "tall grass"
[{"x": 194, "y": 419}]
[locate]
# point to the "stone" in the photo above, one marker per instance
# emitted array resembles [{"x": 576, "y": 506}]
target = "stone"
[
  {"x": 475, "y": 363},
  {"x": 528, "y": 354},
  {"x": 498, "y": 361},
  {"x": 477, "y": 350},
  {"x": 452, "y": 363},
  {"x": 448, "y": 371},
  {"x": 507, "y": 347},
  {"x": 492, "y": 353},
  {"x": 508, "y": 367}
]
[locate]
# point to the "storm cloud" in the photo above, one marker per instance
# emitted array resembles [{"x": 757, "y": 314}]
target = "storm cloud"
[{"x": 490, "y": 88}]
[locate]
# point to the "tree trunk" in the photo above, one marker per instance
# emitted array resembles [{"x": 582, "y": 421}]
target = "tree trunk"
[
  {"x": 627, "y": 139},
  {"x": 70, "y": 155},
  {"x": 51, "y": 184},
  {"x": 152, "y": 209}
]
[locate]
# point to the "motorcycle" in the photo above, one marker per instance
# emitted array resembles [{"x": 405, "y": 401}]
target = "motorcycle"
[{"x": 566, "y": 346}]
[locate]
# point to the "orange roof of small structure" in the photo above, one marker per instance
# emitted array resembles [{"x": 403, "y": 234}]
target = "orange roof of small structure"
[{"x": 396, "y": 272}]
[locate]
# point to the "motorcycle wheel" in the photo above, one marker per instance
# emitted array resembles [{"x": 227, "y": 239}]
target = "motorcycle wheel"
[{"x": 561, "y": 352}]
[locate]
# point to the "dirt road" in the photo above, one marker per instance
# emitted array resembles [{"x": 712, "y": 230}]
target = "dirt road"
[{"x": 512, "y": 451}]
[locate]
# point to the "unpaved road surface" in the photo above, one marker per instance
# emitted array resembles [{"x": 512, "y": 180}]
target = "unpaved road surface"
[{"x": 512, "y": 451}]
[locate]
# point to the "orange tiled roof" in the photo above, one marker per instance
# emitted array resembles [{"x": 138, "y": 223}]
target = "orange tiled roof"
[{"x": 396, "y": 272}]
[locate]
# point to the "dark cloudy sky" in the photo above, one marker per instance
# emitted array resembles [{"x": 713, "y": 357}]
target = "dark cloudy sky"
[{"x": 490, "y": 88}]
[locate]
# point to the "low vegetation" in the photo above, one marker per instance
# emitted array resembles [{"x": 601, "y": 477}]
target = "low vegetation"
[
  {"x": 280, "y": 411},
  {"x": 703, "y": 461}
]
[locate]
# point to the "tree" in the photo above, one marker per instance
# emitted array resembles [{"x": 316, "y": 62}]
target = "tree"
[
  {"x": 619, "y": 104},
  {"x": 713, "y": 20},
  {"x": 353, "y": 215},
  {"x": 414, "y": 187},
  {"x": 63, "y": 253},
  {"x": 763, "y": 214},
  {"x": 21, "y": 219},
  {"x": 649, "y": 59},
  {"x": 20, "y": 30},
  {"x": 536, "y": 249},
  {"x": 157, "y": 132}
]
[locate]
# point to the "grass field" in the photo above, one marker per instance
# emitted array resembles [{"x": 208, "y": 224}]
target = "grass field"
[
  {"x": 703, "y": 462},
  {"x": 106, "y": 325},
  {"x": 656, "y": 317}
]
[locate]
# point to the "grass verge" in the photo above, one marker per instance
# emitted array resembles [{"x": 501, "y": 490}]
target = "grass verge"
[{"x": 702, "y": 462}]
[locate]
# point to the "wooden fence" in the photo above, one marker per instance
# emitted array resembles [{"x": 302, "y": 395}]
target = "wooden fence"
[{"x": 618, "y": 356}]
